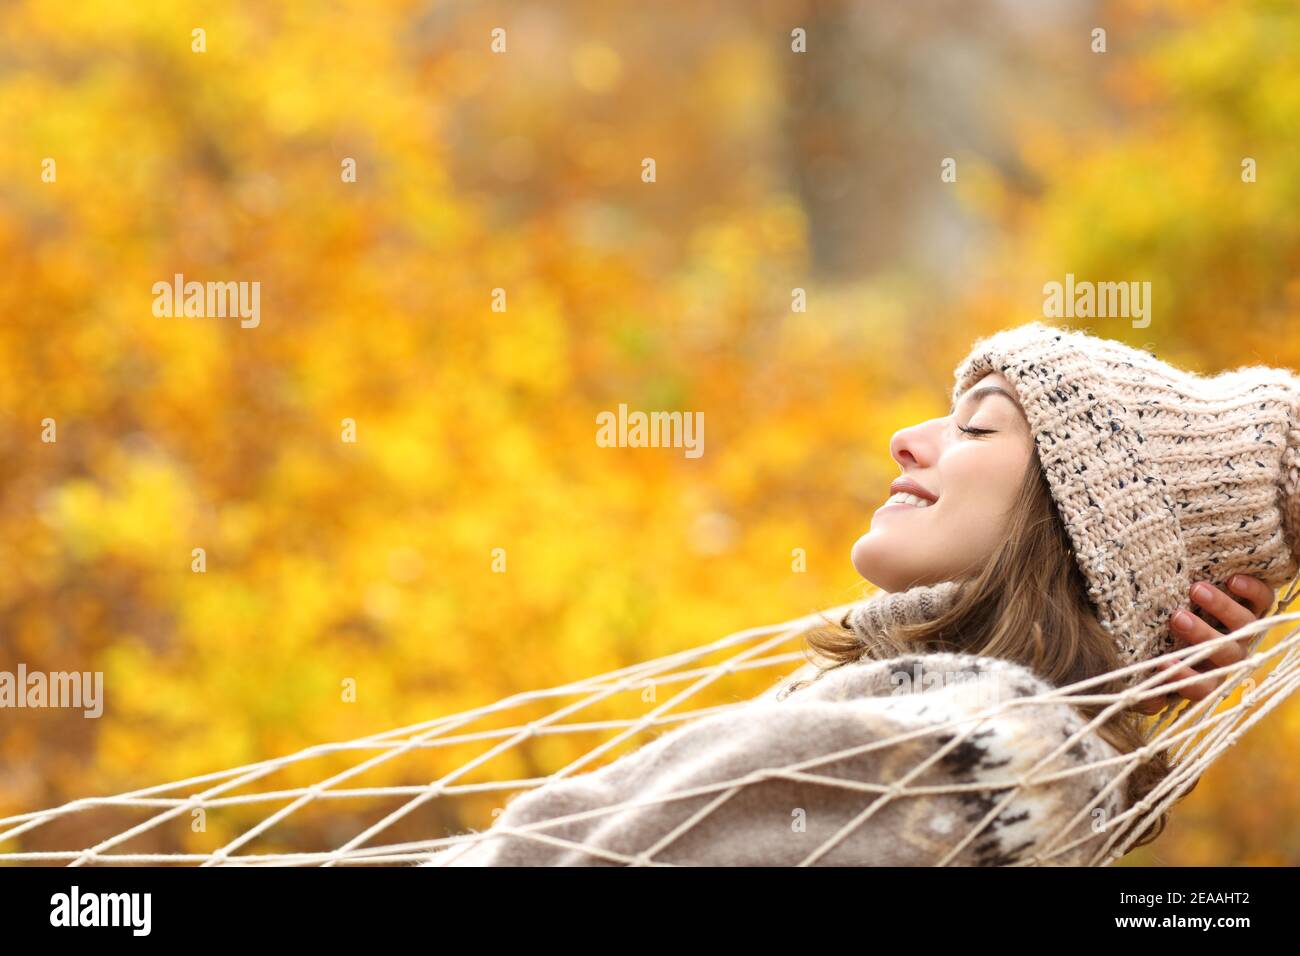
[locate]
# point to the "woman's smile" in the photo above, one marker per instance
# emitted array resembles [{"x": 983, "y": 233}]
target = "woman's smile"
[
  {"x": 908, "y": 493},
  {"x": 902, "y": 501}
]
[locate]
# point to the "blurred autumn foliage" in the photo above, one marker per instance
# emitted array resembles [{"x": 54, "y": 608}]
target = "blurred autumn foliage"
[{"x": 371, "y": 561}]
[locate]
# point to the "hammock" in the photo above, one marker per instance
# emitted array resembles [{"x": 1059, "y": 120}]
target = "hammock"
[{"x": 1193, "y": 734}]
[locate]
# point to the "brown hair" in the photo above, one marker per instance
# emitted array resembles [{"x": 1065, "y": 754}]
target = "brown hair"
[{"x": 1029, "y": 604}]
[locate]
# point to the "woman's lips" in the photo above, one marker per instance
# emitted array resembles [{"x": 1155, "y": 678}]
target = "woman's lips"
[{"x": 910, "y": 486}]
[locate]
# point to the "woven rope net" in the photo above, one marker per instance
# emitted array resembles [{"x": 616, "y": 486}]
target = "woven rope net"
[{"x": 266, "y": 800}]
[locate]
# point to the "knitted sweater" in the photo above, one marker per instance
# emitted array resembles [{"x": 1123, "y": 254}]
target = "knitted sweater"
[{"x": 790, "y": 796}]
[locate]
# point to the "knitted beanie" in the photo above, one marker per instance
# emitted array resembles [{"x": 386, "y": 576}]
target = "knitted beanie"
[{"x": 1160, "y": 476}]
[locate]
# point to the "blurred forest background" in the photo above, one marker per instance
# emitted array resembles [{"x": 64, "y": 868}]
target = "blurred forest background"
[{"x": 372, "y": 561}]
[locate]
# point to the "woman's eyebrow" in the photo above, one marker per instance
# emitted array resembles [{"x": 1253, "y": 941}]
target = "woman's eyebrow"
[{"x": 980, "y": 393}]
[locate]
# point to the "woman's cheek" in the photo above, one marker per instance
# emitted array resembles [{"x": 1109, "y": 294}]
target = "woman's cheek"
[{"x": 968, "y": 533}]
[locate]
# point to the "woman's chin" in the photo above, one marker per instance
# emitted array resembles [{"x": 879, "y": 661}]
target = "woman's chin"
[
  {"x": 876, "y": 559},
  {"x": 870, "y": 560}
]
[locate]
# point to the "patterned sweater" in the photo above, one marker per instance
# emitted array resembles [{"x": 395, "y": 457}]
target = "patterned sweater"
[{"x": 801, "y": 778}]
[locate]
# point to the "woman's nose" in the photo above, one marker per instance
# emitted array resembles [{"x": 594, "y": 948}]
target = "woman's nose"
[{"x": 915, "y": 447}]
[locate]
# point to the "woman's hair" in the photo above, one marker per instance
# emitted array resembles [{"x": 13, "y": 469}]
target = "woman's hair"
[{"x": 1029, "y": 605}]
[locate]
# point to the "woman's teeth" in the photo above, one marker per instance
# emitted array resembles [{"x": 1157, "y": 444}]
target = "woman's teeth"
[{"x": 902, "y": 498}]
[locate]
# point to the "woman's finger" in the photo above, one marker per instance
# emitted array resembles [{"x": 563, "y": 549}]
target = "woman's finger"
[
  {"x": 1221, "y": 606},
  {"x": 1255, "y": 594},
  {"x": 1258, "y": 596},
  {"x": 1193, "y": 630}
]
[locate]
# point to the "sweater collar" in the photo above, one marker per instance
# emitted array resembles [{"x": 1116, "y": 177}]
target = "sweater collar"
[{"x": 886, "y": 608}]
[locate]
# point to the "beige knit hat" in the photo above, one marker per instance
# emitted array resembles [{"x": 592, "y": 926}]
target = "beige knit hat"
[{"x": 1162, "y": 477}]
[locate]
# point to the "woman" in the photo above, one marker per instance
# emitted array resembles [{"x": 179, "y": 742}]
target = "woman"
[{"x": 1046, "y": 531}]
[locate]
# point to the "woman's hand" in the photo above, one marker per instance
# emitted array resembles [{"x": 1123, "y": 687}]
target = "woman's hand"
[{"x": 1250, "y": 598}]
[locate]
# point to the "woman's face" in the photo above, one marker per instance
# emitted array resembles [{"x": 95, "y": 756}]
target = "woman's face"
[{"x": 970, "y": 481}]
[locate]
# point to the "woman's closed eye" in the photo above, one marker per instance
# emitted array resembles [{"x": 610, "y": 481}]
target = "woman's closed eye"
[{"x": 975, "y": 430}]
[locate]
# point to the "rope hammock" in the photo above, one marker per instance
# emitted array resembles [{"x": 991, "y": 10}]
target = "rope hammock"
[{"x": 1194, "y": 733}]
